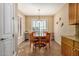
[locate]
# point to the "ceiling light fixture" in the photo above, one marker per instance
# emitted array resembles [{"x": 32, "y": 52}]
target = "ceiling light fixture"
[{"x": 39, "y": 14}]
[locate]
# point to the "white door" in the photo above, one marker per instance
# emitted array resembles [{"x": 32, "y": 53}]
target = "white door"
[
  {"x": 15, "y": 28},
  {"x": 1, "y": 30},
  {"x": 7, "y": 47}
]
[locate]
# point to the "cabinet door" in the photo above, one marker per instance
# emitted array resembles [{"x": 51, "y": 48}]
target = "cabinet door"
[
  {"x": 67, "y": 46},
  {"x": 76, "y": 52},
  {"x": 67, "y": 50},
  {"x": 76, "y": 48},
  {"x": 77, "y": 13},
  {"x": 63, "y": 49},
  {"x": 72, "y": 13}
]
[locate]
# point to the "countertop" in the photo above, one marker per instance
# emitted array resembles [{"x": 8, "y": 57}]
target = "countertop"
[{"x": 75, "y": 38}]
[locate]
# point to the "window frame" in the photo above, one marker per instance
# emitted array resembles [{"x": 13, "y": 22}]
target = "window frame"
[{"x": 40, "y": 20}]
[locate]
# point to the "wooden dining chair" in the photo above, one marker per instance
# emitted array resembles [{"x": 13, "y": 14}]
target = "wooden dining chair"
[
  {"x": 33, "y": 39},
  {"x": 46, "y": 39}
]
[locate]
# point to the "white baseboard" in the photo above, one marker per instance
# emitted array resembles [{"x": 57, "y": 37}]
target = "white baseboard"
[{"x": 59, "y": 43}]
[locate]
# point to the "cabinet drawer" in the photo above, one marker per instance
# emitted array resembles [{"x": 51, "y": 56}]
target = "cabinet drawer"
[{"x": 67, "y": 41}]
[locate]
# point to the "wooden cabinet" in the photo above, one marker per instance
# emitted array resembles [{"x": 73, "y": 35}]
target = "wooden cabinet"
[
  {"x": 69, "y": 47},
  {"x": 66, "y": 47},
  {"x": 73, "y": 13}
]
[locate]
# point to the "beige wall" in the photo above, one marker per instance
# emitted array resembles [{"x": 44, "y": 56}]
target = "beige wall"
[
  {"x": 28, "y": 22},
  {"x": 66, "y": 29},
  {"x": 21, "y": 37}
]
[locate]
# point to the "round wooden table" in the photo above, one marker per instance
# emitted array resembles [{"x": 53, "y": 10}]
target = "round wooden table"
[{"x": 38, "y": 41}]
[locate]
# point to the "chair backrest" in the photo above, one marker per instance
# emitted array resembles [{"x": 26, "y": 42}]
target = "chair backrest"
[
  {"x": 48, "y": 36},
  {"x": 31, "y": 36}
]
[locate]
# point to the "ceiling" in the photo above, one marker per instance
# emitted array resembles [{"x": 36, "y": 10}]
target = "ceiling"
[{"x": 45, "y": 8}]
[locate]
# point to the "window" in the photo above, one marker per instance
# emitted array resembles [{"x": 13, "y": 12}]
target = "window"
[{"x": 39, "y": 26}]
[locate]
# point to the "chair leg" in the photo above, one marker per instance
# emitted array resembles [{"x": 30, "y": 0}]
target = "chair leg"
[
  {"x": 33, "y": 48},
  {"x": 30, "y": 44},
  {"x": 49, "y": 45},
  {"x": 46, "y": 47}
]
